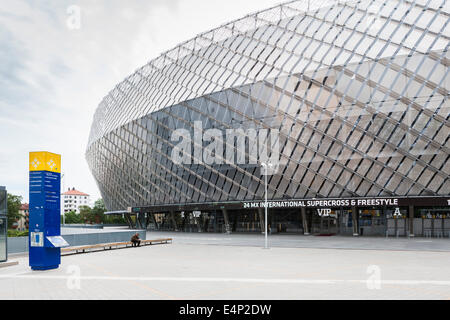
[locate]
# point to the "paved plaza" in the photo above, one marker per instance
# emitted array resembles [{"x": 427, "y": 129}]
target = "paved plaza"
[
  {"x": 206, "y": 266},
  {"x": 316, "y": 242}
]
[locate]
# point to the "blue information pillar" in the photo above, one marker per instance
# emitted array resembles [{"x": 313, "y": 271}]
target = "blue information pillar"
[{"x": 45, "y": 239}]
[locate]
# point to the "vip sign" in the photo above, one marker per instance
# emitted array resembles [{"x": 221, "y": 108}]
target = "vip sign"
[
  {"x": 196, "y": 214},
  {"x": 324, "y": 212}
]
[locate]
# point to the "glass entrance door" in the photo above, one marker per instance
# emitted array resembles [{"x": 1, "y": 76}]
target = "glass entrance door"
[
  {"x": 372, "y": 222},
  {"x": 325, "y": 225},
  {"x": 397, "y": 223},
  {"x": 3, "y": 224},
  {"x": 287, "y": 221},
  {"x": 246, "y": 222},
  {"x": 345, "y": 221},
  {"x": 2, "y": 239}
]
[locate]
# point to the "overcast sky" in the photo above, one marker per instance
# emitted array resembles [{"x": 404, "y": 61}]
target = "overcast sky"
[{"x": 54, "y": 74}]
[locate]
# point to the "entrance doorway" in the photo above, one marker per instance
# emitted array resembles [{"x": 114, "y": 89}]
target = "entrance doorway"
[
  {"x": 245, "y": 221},
  {"x": 324, "y": 225},
  {"x": 345, "y": 221},
  {"x": 397, "y": 223},
  {"x": 372, "y": 222},
  {"x": 287, "y": 221}
]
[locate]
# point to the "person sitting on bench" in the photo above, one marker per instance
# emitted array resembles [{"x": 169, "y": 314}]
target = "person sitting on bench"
[{"x": 135, "y": 241}]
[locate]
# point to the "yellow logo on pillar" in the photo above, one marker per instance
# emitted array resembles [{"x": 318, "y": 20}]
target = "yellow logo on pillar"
[{"x": 45, "y": 161}]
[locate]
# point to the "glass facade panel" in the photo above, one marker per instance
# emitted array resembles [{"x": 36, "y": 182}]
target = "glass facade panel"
[{"x": 361, "y": 105}]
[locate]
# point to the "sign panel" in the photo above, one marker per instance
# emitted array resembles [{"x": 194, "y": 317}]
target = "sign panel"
[
  {"x": 45, "y": 209},
  {"x": 196, "y": 214},
  {"x": 37, "y": 239},
  {"x": 58, "y": 242},
  {"x": 45, "y": 161},
  {"x": 324, "y": 213},
  {"x": 390, "y": 202},
  {"x": 323, "y": 203}
]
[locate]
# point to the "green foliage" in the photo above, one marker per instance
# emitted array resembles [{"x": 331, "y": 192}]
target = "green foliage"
[
  {"x": 73, "y": 218},
  {"x": 100, "y": 206},
  {"x": 98, "y": 212},
  {"x": 95, "y": 215},
  {"x": 114, "y": 220},
  {"x": 14, "y": 203},
  {"x": 12, "y": 233},
  {"x": 86, "y": 215}
]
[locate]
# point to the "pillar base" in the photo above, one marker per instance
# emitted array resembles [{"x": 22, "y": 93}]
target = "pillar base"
[
  {"x": 356, "y": 235},
  {"x": 44, "y": 268},
  {"x": 307, "y": 234}
]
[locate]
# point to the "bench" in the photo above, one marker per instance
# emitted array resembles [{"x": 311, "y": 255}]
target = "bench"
[{"x": 110, "y": 246}]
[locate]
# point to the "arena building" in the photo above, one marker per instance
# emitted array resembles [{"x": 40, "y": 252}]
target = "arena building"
[{"x": 345, "y": 101}]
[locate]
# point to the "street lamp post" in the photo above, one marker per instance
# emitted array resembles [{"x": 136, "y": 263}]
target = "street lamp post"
[
  {"x": 266, "y": 165},
  {"x": 62, "y": 201}
]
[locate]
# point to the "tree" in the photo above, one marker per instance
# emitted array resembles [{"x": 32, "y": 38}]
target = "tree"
[
  {"x": 72, "y": 218},
  {"x": 98, "y": 212},
  {"x": 86, "y": 214},
  {"x": 114, "y": 219},
  {"x": 14, "y": 203}
]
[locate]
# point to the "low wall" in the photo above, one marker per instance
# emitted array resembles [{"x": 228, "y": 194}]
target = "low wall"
[
  {"x": 83, "y": 226},
  {"x": 20, "y": 244},
  {"x": 17, "y": 245},
  {"x": 92, "y": 226}
]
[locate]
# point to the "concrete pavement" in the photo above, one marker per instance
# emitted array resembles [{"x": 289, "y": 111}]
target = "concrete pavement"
[
  {"x": 199, "y": 271},
  {"x": 300, "y": 241}
]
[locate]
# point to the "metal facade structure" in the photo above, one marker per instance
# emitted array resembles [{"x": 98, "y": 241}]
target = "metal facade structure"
[{"x": 357, "y": 89}]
